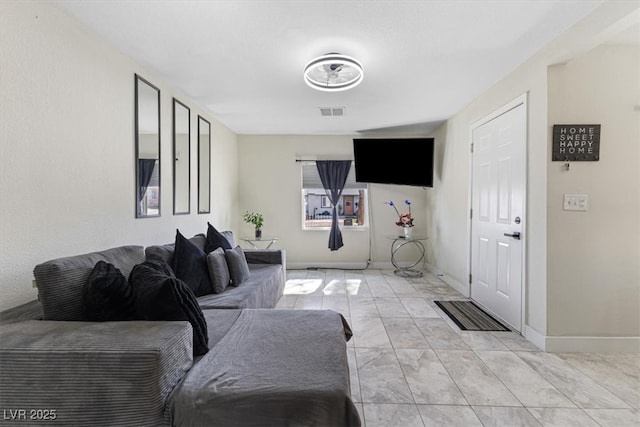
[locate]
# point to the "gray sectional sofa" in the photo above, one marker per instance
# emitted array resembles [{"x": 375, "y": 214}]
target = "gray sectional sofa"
[
  {"x": 263, "y": 288},
  {"x": 264, "y": 367}
]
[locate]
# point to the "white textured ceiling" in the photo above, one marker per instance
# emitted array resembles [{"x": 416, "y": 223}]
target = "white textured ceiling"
[{"x": 243, "y": 60}]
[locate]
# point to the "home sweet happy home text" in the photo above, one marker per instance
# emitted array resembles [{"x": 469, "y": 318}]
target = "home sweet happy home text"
[{"x": 576, "y": 143}]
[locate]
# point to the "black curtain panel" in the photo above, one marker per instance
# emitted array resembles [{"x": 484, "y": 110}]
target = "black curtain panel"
[
  {"x": 145, "y": 171},
  {"x": 333, "y": 174}
]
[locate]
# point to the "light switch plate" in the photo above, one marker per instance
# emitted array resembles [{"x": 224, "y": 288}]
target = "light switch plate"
[{"x": 576, "y": 202}]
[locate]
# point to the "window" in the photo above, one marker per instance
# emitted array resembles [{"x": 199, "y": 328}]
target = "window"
[{"x": 316, "y": 207}]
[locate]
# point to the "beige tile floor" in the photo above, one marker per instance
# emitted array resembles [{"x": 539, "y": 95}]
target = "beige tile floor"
[{"x": 410, "y": 365}]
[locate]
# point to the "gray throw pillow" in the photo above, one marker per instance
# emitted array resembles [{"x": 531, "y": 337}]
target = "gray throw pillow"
[
  {"x": 218, "y": 270},
  {"x": 228, "y": 234},
  {"x": 237, "y": 263}
]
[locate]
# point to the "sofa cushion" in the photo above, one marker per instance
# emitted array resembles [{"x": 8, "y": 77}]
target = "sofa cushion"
[
  {"x": 200, "y": 240},
  {"x": 228, "y": 234},
  {"x": 161, "y": 251},
  {"x": 218, "y": 270},
  {"x": 190, "y": 266},
  {"x": 272, "y": 368},
  {"x": 94, "y": 373},
  {"x": 238, "y": 267},
  {"x": 166, "y": 251},
  {"x": 215, "y": 240},
  {"x": 61, "y": 281},
  {"x": 262, "y": 289},
  {"x": 159, "y": 296},
  {"x": 107, "y": 295}
]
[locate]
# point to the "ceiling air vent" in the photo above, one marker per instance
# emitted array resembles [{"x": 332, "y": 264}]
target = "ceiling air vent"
[{"x": 332, "y": 111}]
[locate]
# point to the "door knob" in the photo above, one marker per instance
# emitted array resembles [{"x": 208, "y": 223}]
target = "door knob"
[{"x": 515, "y": 235}]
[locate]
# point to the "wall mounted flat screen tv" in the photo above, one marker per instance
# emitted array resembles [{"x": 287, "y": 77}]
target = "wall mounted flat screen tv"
[{"x": 400, "y": 161}]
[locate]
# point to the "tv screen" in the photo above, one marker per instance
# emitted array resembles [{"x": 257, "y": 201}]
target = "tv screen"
[{"x": 401, "y": 161}]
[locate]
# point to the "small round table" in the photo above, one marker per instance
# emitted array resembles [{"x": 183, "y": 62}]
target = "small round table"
[{"x": 399, "y": 242}]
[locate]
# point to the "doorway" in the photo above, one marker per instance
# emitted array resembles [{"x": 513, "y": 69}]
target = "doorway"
[{"x": 499, "y": 143}]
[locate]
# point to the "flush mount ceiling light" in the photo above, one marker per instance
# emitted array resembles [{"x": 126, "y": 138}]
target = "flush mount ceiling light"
[{"x": 333, "y": 72}]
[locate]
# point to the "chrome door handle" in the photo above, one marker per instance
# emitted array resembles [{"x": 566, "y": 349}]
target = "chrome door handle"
[{"x": 515, "y": 235}]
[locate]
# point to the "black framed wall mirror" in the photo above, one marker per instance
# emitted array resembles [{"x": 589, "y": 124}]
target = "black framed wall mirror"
[
  {"x": 204, "y": 166},
  {"x": 147, "y": 135},
  {"x": 181, "y": 158}
]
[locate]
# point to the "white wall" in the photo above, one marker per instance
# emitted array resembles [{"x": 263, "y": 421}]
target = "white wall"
[
  {"x": 67, "y": 149},
  {"x": 270, "y": 182},
  {"x": 594, "y": 256},
  {"x": 448, "y": 206}
]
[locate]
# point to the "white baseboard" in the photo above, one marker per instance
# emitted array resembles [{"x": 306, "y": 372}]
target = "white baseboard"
[
  {"x": 460, "y": 287},
  {"x": 361, "y": 265},
  {"x": 338, "y": 265},
  {"x": 592, "y": 344},
  {"x": 380, "y": 265},
  {"x": 534, "y": 337},
  {"x": 582, "y": 344}
]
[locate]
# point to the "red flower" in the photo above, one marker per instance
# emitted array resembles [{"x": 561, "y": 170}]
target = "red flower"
[{"x": 404, "y": 220}]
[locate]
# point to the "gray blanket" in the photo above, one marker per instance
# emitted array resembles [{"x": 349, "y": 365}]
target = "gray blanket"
[{"x": 270, "y": 368}]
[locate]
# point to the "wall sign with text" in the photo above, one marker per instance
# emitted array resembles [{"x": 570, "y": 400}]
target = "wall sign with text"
[{"x": 576, "y": 143}]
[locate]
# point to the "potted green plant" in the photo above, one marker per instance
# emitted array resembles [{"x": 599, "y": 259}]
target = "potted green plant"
[{"x": 257, "y": 220}]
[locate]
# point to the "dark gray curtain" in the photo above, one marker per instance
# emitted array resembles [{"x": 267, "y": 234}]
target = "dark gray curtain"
[
  {"x": 333, "y": 174},
  {"x": 145, "y": 171}
]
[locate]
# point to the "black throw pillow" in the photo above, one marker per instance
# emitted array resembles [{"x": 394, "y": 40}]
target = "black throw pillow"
[
  {"x": 190, "y": 266},
  {"x": 159, "y": 296},
  {"x": 158, "y": 263},
  {"x": 107, "y": 295},
  {"x": 215, "y": 240}
]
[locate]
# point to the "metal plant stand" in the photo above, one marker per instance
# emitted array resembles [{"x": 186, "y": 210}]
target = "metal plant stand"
[{"x": 396, "y": 245}]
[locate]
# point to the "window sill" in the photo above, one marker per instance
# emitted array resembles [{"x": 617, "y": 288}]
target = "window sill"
[{"x": 342, "y": 228}]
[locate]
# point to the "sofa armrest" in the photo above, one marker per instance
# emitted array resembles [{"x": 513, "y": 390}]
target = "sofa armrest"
[
  {"x": 266, "y": 256},
  {"x": 92, "y": 373}
]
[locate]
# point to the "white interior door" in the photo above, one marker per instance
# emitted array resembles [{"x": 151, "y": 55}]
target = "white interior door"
[{"x": 497, "y": 224}]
